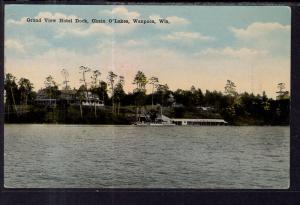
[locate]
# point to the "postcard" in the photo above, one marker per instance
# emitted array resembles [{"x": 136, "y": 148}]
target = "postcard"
[{"x": 147, "y": 96}]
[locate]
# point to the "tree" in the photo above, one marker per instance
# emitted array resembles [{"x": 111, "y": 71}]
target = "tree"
[
  {"x": 193, "y": 89},
  {"x": 96, "y": 74},
  {"x": 81, "y": 96},
  {"x": 11, "y": 89},
  {"x": 282, "y": 93},
  {"x": 111, "y": 79},
  {"x": 25, "y": 88},
  {"x": 194, "y": 97},
  {"x": 199, "y": 97},
  {"x": 102, "y": 91},
  {"x": 162, "y": 90},
  {"x": 95, "y": 83},
  {"x": 84, "y": 70},
  {"x": 140, "y": 80},
  {"x": 153, "y": 82},
  {"x": 51, "y": 87},
  {"x": 230, "y": 88},
  {"x": 119, "y": 93},
  {"x": 94, "y": 87},
  {"x": 65, "y": 75}
]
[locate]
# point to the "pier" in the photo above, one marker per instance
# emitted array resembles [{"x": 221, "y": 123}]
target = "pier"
[
  {"x": 185, "y": 121},
  {"x": 210, "y": 122}
]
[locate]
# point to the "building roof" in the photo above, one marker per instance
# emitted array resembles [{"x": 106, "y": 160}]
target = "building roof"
[{"x": 163, "y": 117}]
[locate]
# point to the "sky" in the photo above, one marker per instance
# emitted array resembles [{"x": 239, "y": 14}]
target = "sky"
[{"x": 203, "y": 46}]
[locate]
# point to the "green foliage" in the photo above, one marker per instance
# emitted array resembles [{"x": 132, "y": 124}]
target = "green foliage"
[
  {"x": 282, "y": 93},
  {"x": 51, "y": 87},
  {"x": 101, "y": 91},
  {"x": 230, "y": 88},
  {"x": 11, "y": 89},
  {"x": 25, "y": 88},
  {"x": 120, "y": 108},
  {"x": 140, "y": 80},
  {"x": 119, "y": 92}
]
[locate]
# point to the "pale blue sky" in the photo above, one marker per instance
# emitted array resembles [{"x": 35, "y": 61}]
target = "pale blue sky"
[{"x": 240, "y": 43}]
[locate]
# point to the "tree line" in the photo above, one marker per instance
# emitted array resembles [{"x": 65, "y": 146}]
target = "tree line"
[{"x": 236, "y": 108}]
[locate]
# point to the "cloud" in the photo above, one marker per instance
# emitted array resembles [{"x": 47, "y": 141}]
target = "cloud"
[
  {"x": 82, "y": 31},
  {"x": 173, "y": 21},
  {"x": 121, "y": 11},
  {"x": 258, "y": 29},
  {"x": 15, "y": 45},
  {"x": 242, "y": 53},
  {"x": 272, "y": 37},
  {"x": 56, "y": 15},
  {"x": 132, "y": 43},
  {"x": 187, "y": 36},
  {"x": 16, "y": 22},
  {"x": 177, "y": 20},
  {"x": 26, "y": 45},
  {"x": 154, "y": 17},
  {"x": 34, "y": 42}
]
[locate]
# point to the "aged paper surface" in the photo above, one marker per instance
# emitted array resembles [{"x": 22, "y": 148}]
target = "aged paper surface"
[{"x": 147, "y": 96}]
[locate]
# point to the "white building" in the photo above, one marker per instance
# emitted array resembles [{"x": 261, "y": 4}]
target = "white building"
[
  {"x": 183, "y": 121},
  {"x": 198, "y": 121}
]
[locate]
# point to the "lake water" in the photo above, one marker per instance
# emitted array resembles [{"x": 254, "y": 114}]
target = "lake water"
[{"x": 84, "y": 156}]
